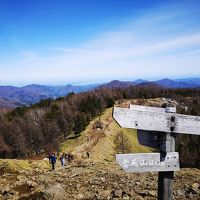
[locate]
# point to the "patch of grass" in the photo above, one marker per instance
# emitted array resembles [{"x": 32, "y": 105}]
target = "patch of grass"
[
  {"x": 14, "y": 166},
  {"x": 104, "y": 147}
]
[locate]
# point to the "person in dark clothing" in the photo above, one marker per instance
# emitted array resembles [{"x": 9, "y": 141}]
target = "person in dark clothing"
[
  {"x": 70, "y": 157},
  {"x": 52, "y": 160}
]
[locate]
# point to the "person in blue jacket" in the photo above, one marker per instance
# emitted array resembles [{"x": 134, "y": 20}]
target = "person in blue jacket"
[{"x": 52, "y": 160}]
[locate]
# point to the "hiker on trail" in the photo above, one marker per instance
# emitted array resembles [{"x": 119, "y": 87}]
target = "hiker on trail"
[
  {"x": 70, "y": 157},
  {"x": 62, "y": 160},
  {"x": 52, "y": 160}
]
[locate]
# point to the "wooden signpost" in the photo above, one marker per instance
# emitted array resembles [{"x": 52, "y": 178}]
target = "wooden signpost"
[
  {"x": 147, "y": 138},
  {"x": 145, "y": 162},
  {"x": 147, "y": 108},
  {"x": 156, "y": 128},
  {"x": 157, "y": 121}
]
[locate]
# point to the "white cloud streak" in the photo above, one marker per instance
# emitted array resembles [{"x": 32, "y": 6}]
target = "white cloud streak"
[{"x": 156, "y": 45}]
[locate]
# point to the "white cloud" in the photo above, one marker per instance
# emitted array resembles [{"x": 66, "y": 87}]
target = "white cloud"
[{"x": 156, "y": 45}]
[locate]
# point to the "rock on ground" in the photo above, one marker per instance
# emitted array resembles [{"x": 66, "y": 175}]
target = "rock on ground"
[{"x": 92, "y": 181}]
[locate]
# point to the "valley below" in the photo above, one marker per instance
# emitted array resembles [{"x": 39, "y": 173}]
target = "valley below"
[
  {"x": 96, "y": 177},
  {"x": 86, "y": 122}
]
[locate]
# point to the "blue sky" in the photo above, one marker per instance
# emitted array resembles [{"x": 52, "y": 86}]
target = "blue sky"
[{"x": 89, "y": 41}]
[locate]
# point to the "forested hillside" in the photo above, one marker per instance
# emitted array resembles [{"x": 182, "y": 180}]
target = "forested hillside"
[{"x": 43, "y": 126}]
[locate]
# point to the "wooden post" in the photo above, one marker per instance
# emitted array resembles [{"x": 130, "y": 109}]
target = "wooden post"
[
  {"x": 165, "y": 179},
  {"x": 164, "y": 122}
]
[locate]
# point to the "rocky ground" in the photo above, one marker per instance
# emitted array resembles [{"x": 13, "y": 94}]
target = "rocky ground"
[{"x": 86, "y": 179}]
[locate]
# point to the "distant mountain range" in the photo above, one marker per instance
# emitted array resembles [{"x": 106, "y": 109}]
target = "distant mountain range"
[
  {"x": 11, "y": 97},
  {"x": 174, "y": 84},
  {"x": 167, "y": 83}
]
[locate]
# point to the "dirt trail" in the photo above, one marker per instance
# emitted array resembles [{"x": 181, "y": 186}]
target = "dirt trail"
[
  {"x": 100, "y": 142},
  {"x": 91, "y": 140}
]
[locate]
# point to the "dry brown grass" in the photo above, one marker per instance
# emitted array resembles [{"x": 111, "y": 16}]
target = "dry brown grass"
[{"x": 100, "y": 143}]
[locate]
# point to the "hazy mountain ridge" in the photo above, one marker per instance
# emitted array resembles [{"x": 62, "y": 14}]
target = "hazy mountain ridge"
[
  {"x": 167, "y": 83},
  {"x": 117, "y": 83},
  {"x": 176, "y": 84},
  {"x": 194, "y": 81},
  {"x": 11, "y": 97},
  {"x": 18, "y": 96}
]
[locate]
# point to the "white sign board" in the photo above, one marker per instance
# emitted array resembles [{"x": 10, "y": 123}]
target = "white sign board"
[
  {"x": 149, "y": 162},
  {"x": 147, "y": 138},
  {"x": 147, "y": 108},
  {"x": 157, "y": 121}
]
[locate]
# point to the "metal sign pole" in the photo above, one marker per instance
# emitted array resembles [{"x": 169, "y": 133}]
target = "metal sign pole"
[{"x": 165, "y": 179}]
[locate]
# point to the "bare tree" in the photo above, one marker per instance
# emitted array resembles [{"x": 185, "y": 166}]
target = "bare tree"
[{"x": 122, "y": 143}]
